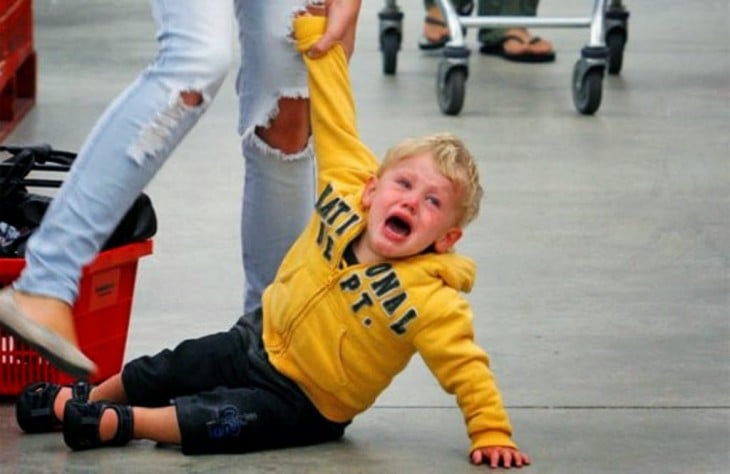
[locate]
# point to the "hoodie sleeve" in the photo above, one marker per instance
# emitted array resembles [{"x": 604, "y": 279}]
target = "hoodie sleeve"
[
  {"x": 340, "y": 153},
  {"x": 446, "y": 344}
]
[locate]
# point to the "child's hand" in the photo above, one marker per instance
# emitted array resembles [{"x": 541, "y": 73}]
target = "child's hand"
[{"x": 498, "y": 456}]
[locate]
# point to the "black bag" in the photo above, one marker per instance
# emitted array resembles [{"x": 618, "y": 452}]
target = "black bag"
[{"x": 21, "y": 212}]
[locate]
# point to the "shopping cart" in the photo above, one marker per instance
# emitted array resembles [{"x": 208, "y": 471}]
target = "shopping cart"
[{"x": 608, "y": 24}]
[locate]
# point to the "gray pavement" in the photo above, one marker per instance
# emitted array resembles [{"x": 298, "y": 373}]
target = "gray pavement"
[{"x": 603, "y": 246}]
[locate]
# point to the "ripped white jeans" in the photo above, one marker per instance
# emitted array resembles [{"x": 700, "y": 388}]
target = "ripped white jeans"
[{"x": 142, "y": 127}]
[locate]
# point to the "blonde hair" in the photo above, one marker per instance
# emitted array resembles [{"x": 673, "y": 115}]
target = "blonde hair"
[{"x": 453, "y": 160}]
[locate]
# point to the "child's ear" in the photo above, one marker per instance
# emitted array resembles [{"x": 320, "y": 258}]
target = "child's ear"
[
  {"x": 369, "y": 191},
  {"x": 448, "y": 240}
]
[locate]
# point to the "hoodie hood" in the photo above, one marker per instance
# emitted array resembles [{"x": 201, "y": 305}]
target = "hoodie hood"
[{"x": 456, "y": 271}]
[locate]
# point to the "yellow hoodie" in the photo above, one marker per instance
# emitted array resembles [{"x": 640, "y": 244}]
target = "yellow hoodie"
[{"x": 343, "y": 332}]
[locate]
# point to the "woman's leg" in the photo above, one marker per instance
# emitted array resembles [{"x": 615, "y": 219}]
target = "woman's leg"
[
  {"x": 129, "y": 143},
  {"x": 278, "y": 192}
]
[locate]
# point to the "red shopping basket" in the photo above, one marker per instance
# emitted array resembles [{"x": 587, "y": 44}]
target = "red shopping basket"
[{"x": 101, "y": 317}]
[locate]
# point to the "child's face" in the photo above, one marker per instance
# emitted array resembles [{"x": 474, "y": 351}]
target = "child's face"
[{"x": 410, "y": 207}]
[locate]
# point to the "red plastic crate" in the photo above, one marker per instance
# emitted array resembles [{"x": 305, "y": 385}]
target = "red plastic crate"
[
  {"x": 18, "y": 66},
  {"x": 16, "y": 20},
  {"x": 101, "y": 317}
]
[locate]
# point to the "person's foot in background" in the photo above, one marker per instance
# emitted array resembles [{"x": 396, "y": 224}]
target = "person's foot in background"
[
  {"x": 435, "y": 33},
  {"x": 519, "y": 45}
]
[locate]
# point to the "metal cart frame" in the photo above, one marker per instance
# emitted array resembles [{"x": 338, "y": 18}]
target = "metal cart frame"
[{"x": 608, "y": 24}]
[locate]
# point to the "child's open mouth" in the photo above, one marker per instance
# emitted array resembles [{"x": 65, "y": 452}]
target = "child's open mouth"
[{"x": 398, "y": 226}]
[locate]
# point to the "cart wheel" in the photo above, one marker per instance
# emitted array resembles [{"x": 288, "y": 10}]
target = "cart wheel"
[
  {"x": 587, "y": 90},
  {"x": 616, "y": 41},
  {"x": 451, "y": 93},
  {"x": 389, "y": 45}
]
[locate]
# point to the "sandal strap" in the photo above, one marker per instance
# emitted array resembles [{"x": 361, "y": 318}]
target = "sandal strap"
[
  {"x": 125, "y": 425},
  {"x": 41, "y": 397},
  {"x": 506, "y": 38},
  {"x": 434, "y": 21},
  {"x": 81, "y": 425},
  {"x": 34, "y": 408},
  {"x": 80, "y": 391}
]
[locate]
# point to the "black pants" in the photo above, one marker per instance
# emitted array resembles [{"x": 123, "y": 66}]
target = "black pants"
[{"x": 229, "y": 399}]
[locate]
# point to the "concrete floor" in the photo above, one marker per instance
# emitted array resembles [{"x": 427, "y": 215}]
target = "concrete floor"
[{"x": 604, "y": 244}]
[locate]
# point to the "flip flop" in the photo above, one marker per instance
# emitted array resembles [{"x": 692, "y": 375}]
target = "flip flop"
[
  {"x": 425, "y": 43},
  {"x": 546, "y": 57},
  {"x": 497, "y": 49}
]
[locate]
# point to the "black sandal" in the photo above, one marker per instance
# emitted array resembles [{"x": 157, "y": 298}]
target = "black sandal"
[
  {"x": 81, "y": 425},
  {"x": 497, "y": 49},
  {"x": 34, "y": 407}
]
